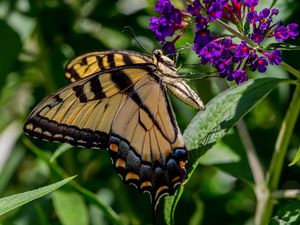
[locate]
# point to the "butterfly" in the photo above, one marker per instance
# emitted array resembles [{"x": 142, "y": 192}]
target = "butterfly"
[{"x": 118, "y": 100}]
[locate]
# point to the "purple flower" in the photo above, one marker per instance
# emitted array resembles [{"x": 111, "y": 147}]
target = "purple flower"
[
  {"x": 260, "y": 64},
  {"x": 252, "y": 17},
  {"x": 257, "y": 36},
  {"x": 292, "y": 30},
  {"x": 230, "y": 59},
  {"x": 225, "y": 70},
  {"x": 251, "y": 3},
  {"x": 240, "y": 76},
  {"x": 215, "y": 11},
  {"x": 251, "y": 57},
  {"x": 201, "y": 39},
  {"x": 215, "y": 49},
  {"x": 274, "y": 12},
  {"x": 265, "y": 20},
  {"x": 201, "y": 22},
  {"x": 242, "y": 50},
  {"x": 163, "y": 6},
  {"x": 281, "y": 33},
  {"x": 275, "y": 57},
  {"x": 168, "y": 23},
  {"x": 263, "y": 14},
  {"x": 226, "y": 43},
  {"x": 195, "y": 8},
  {"x": 161, "y": 27}
]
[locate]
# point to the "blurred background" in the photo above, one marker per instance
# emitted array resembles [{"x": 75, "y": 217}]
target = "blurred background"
[{"x": 38, "y": 37}]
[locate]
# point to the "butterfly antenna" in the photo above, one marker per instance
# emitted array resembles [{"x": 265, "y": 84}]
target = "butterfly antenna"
[
  {"x": 130, "y": 31},
  {"x": 200, "y": 76}
]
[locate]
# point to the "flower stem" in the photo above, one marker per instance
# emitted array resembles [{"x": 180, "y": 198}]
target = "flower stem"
[
  {"x": 235, "y": 33},
  {"x": 255, "y": 165},
  {"x": 283, "y": 139},
  {"x": 281, "y": 146},
  {"x": 291, "y": 69}
]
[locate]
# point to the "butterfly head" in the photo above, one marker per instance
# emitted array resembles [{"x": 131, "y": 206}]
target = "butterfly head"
[{"x": 164, "y": 64}]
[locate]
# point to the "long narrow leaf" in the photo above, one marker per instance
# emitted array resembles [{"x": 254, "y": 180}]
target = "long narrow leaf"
[{"x": 11, "y": 202}]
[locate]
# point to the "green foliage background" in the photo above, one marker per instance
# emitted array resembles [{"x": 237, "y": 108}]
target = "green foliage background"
[{"x": 37, "y": 38}]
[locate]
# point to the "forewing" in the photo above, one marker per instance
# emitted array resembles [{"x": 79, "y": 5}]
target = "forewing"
[
  {"x": 94, "y": 62},
  {"x": 82, "y": 113},
  {"x": 146, "y": 146}
]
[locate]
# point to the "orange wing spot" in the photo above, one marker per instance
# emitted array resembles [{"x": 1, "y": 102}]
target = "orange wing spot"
[
  {"x": 120, "y": 163},
  {"x": 114, "y": 147},
  {"x": 29, "y": 126},
  {"x": 72, "y": 79},
  {"x": 182, "y": 164},
  {"x": 145, "y": 184},
  {"x": 131, "y": 176},
  {"x": 160, "y": 189},
  {"x": 176, "y": 179}
]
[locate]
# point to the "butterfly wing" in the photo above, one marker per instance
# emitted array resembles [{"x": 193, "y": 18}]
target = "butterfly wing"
[
  {"x": 122, "y": 105},
  {"x": 146, "y": 145},
  {"x": 94, "y": 62},
  {"x": 82, "y": 113}
]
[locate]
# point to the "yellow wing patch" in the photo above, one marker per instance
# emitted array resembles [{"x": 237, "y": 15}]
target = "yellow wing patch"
[{"x": 94, "y": 62}]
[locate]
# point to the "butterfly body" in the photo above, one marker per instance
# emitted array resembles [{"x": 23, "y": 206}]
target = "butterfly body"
[{"x": 118, "y": 100}]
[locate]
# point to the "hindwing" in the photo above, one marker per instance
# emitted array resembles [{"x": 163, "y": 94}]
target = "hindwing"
[{"x": 146, "y": 145}]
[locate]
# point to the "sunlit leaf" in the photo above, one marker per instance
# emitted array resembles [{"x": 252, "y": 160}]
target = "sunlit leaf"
[
  {"x": 296, "y": 159},
  {"x": 288, "y": 214},
  {"x": 209, "y": 126}
]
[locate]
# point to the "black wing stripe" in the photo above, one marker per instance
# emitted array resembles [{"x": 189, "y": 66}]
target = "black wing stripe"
[
  {"x": 121, "y": 79},
  {"x": 96, "y": 88},
  {"x": 80, "y": 93},
  {"x": 100, "y": 62},
  {"x": 136, "y": 98},
  {"x": 73, "y": 73},
  {"x": 127, "y": 60},
  {"x": 111, "y": 60}
]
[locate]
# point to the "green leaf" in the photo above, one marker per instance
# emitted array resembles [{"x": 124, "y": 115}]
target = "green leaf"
[
  {"x": 11, "y": 202},
  {"x": 283, "y": 46},
  {"x": 296, "y": 159},
  {"x": 209, "y": 126},
  {"x": 70, "y": 208},
  {"x": 288, "y": 214},
  {"x": 59, "y": 151}
]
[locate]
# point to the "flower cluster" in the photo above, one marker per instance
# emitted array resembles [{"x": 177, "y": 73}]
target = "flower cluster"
[
  {"x": 170, "y": 21},
  {"x": 229, "y": 56}
]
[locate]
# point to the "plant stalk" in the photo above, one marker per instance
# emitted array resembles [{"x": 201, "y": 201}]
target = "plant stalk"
[{"x": 281, "y": 146}]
